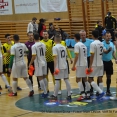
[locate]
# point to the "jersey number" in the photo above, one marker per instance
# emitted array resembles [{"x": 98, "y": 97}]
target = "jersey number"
[
  {"x": 101, "y": 50},
  {"x": 21, "y": 52},
  {"x": 84, "y": 51},
  {"x": 62, "y": 53},
  {"x": 41, "y": 52}
]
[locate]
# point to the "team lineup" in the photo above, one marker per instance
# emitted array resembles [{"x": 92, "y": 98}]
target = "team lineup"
[{"x": 92, "y": 59}]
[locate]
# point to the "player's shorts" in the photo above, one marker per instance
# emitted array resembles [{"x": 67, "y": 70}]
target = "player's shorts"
[
  {"x": 80, "y": 71},
  {"x": 40, "y": 70},
  {"x": 108, "y": 67},
  {"x": 62, "y": 74},
  {"x": 97, "y": 71},
  {"x": 6, "y": 68},
  {"x": 1, "y": 65},
  {"x": 19, "y": 70},
  {"x": 50, "y": 66}
]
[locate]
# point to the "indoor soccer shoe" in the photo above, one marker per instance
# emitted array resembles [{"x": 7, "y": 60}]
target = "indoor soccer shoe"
[
  {"x": 80, "y": 98},
  {"x": 52, "y": 97},
  {"x": 13, "y": 94},
  {"x": 44, "y": 95},
  {"x": 31, "y": 93},
  {"x": 19, "y": 89},
  {"x": 108, "y": 93},
  {"x": 100, "y": 95},
  {"x": 69, "y": 97}
]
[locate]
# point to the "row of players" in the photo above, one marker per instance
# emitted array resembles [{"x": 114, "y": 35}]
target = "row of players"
[{"x": 96, "y": 48}]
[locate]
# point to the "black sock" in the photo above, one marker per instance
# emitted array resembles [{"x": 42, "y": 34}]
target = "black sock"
[
  {"x": 38, "y": 83},
  {"x": 30, "y": 77},
  {"x": 83, "y": 84},
  {"x": 91, "y": 90},
  {"x": 108, "y": 83}
]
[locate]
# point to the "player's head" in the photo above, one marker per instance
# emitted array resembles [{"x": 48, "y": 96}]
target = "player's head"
[
  {"x": 34, "y": 19},
  {"x": 77, "y": 37},
  {"x": 57, "y": 38},
  {"x": 36, "y": 37},
  {"x": 82, "y": 34},
  {"x": 45, "y": 34},
  {"x": 16, "y": 38},
  {"x": 109, "y": 14},
  {"x": 30, "y": 35},
  {"x": 58, "y": 33},
  {"x": 108, "y": 36},
  {"x": 42, "y": 21},
  {"x": 8, "y": 37},
  {"x": 116, "y": 36},
  {"x": 95, "y": 34},
  {"x": 99, "y": 23}
]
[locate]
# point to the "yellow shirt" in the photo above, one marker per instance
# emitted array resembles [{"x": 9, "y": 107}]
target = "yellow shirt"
[
  {"x": 5, "y": 48},
  {"x": 49, "y": 45}
]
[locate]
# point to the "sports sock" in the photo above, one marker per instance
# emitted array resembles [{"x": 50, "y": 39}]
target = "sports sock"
[
  {"x": 101, "y": 86},
  {"x": 28, "y": 82},
  {"x": 57, "y": 86},
  {"x": 45, "y": 82},
  {"x": 42, "y": 84},
  {"x": 108, "y": 82},
  {"x": 68, "y": 86},
  {"x": 5, "y": 80},
  {"x": 14, "y": 86}
]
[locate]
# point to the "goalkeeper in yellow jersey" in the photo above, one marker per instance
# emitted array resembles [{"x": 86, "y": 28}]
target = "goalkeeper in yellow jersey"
[{"x": 6, "y": 55}]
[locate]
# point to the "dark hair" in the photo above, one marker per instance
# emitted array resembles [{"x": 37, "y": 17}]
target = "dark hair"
[
  {"x": 16, "y": 37},
  {"x": 36, "y": 36},
  {"x": 34, "y": 18},
  {"x": 57, "y": 37},
  {"x": 7, "y": 35},
  {"x": 41, "y": 20},
  {"x": 45, "y": 31},
  {"x": 30, "y": 32},
  {"x": 116, "y": 35},
  {"x": 77, "y": 36},
  {"x": 108, "y": 32},
  {"x": 98, "y": 21},
  {"x": 95, "y": 33}
]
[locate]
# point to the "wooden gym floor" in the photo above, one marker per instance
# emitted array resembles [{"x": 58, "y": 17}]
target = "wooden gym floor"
[{"x": 8, "y": 108}]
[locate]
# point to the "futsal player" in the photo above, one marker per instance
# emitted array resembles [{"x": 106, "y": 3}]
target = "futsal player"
[
  {"x": 109, "y": 52},
  {"x": 80, "y": 63},
  {"x": 18, "y": 65},
  {"x": 96, "y": 63},
  {"x": 60, "y": 54},
  {"x": 39, "y": 60}
]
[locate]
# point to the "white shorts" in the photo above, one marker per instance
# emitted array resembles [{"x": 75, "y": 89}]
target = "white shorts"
[
  {"x": 1, "y": 65},
  {"x": 19, "y": 70},
  {"x": 40, "y": 70},
  {"x": 80, "y": 71},
  {"x": 97, "y": 71},
  {"x": 62, "y": 74}
]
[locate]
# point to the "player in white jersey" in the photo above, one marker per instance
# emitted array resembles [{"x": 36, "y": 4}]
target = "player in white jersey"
[
  {"x": 96, "y": 63},
  {"x": 1, "y": 70},
  {"x": 38, "y": 57},
  {"x": 80, "y": 62},
  {"x": 60, "y": 54},
  {"x": 18, "y": 65}
]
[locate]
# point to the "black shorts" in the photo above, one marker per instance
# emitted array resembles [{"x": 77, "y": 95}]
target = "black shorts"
[
  {"x": 6, "y": 68},
  {"x": 50, "y": 66},
  {"x": 108, "y": 67},
  {"x": 88, "y": 61}
]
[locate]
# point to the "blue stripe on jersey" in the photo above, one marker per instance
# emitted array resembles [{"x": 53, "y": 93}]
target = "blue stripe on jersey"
[
  {"x": 87, "y": 44},
  {"x": 108, "y": 57}
]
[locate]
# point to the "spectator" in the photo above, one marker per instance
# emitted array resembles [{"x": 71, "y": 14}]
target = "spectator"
[
  {"x": 41, "y": 28},
  {"x": 32, "y": 26},
  {"x": 51, "y": 31},
  {"x": 63, "y": 34}
]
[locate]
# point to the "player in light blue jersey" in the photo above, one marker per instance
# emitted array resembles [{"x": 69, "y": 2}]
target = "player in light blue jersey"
[{"x": 109, "y": 52}]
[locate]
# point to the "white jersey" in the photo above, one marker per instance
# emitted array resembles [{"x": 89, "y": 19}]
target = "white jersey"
[
  {"x": 39, "y": 49},
  {"x": 60, "y": 51},
  {"x": 18, "y": 50},
  {"x": 96, "y": 47},
  {"x": 81, "y": 50}
]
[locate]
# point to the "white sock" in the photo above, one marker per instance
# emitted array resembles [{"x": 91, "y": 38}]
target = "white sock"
[
  {"x": 95, "y": 86},
  {"x": 57, "y": 86},
  {"x": 14, "y": 86},
  {"x": 101, "y": 86},
  {"x": 28, "y": 82},
  {"x": 68, "y": 86},
  {"x": 45, "y": 82},
  {"x": 5, "y": 80},
  {"x": 80, "y": 85},
  {"x": 42, "y": 84},
  {"x": 88, "y": 87}
]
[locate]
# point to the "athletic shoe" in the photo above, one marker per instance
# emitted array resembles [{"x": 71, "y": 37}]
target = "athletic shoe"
[
  {"x": 59, "y": 92},
  {"x": 80, "y": 98},
  {"x": 31, "y": 93},
  {"x": 18, "y": 88},
  {"x": 88, "y": 95},
  {"x": 100, "y": 95},
  {"x": 71, "y": 92},
  {"x": 48, "y": 91},
  {"x": 10, "y": 89},
  {"x": 6, "y": 87},
  {"x": 97, "y": 94},
  {"x": 13, "y": 94},
  {"x": 44, "y": 95},
  {"x": 108, "y": 93},
  {"x": 91, "y": 93},
  {"x": 52, "y": 97},
  {"x": 0, "y": 88},
  {"x": 69, "y": 97}
]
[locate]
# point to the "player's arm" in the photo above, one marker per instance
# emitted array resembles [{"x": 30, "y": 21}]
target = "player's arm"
[
  {"x": 107, "y": 51},
  {"x": 114, "y": 55},
  {"x": 69, "y": 55}
]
